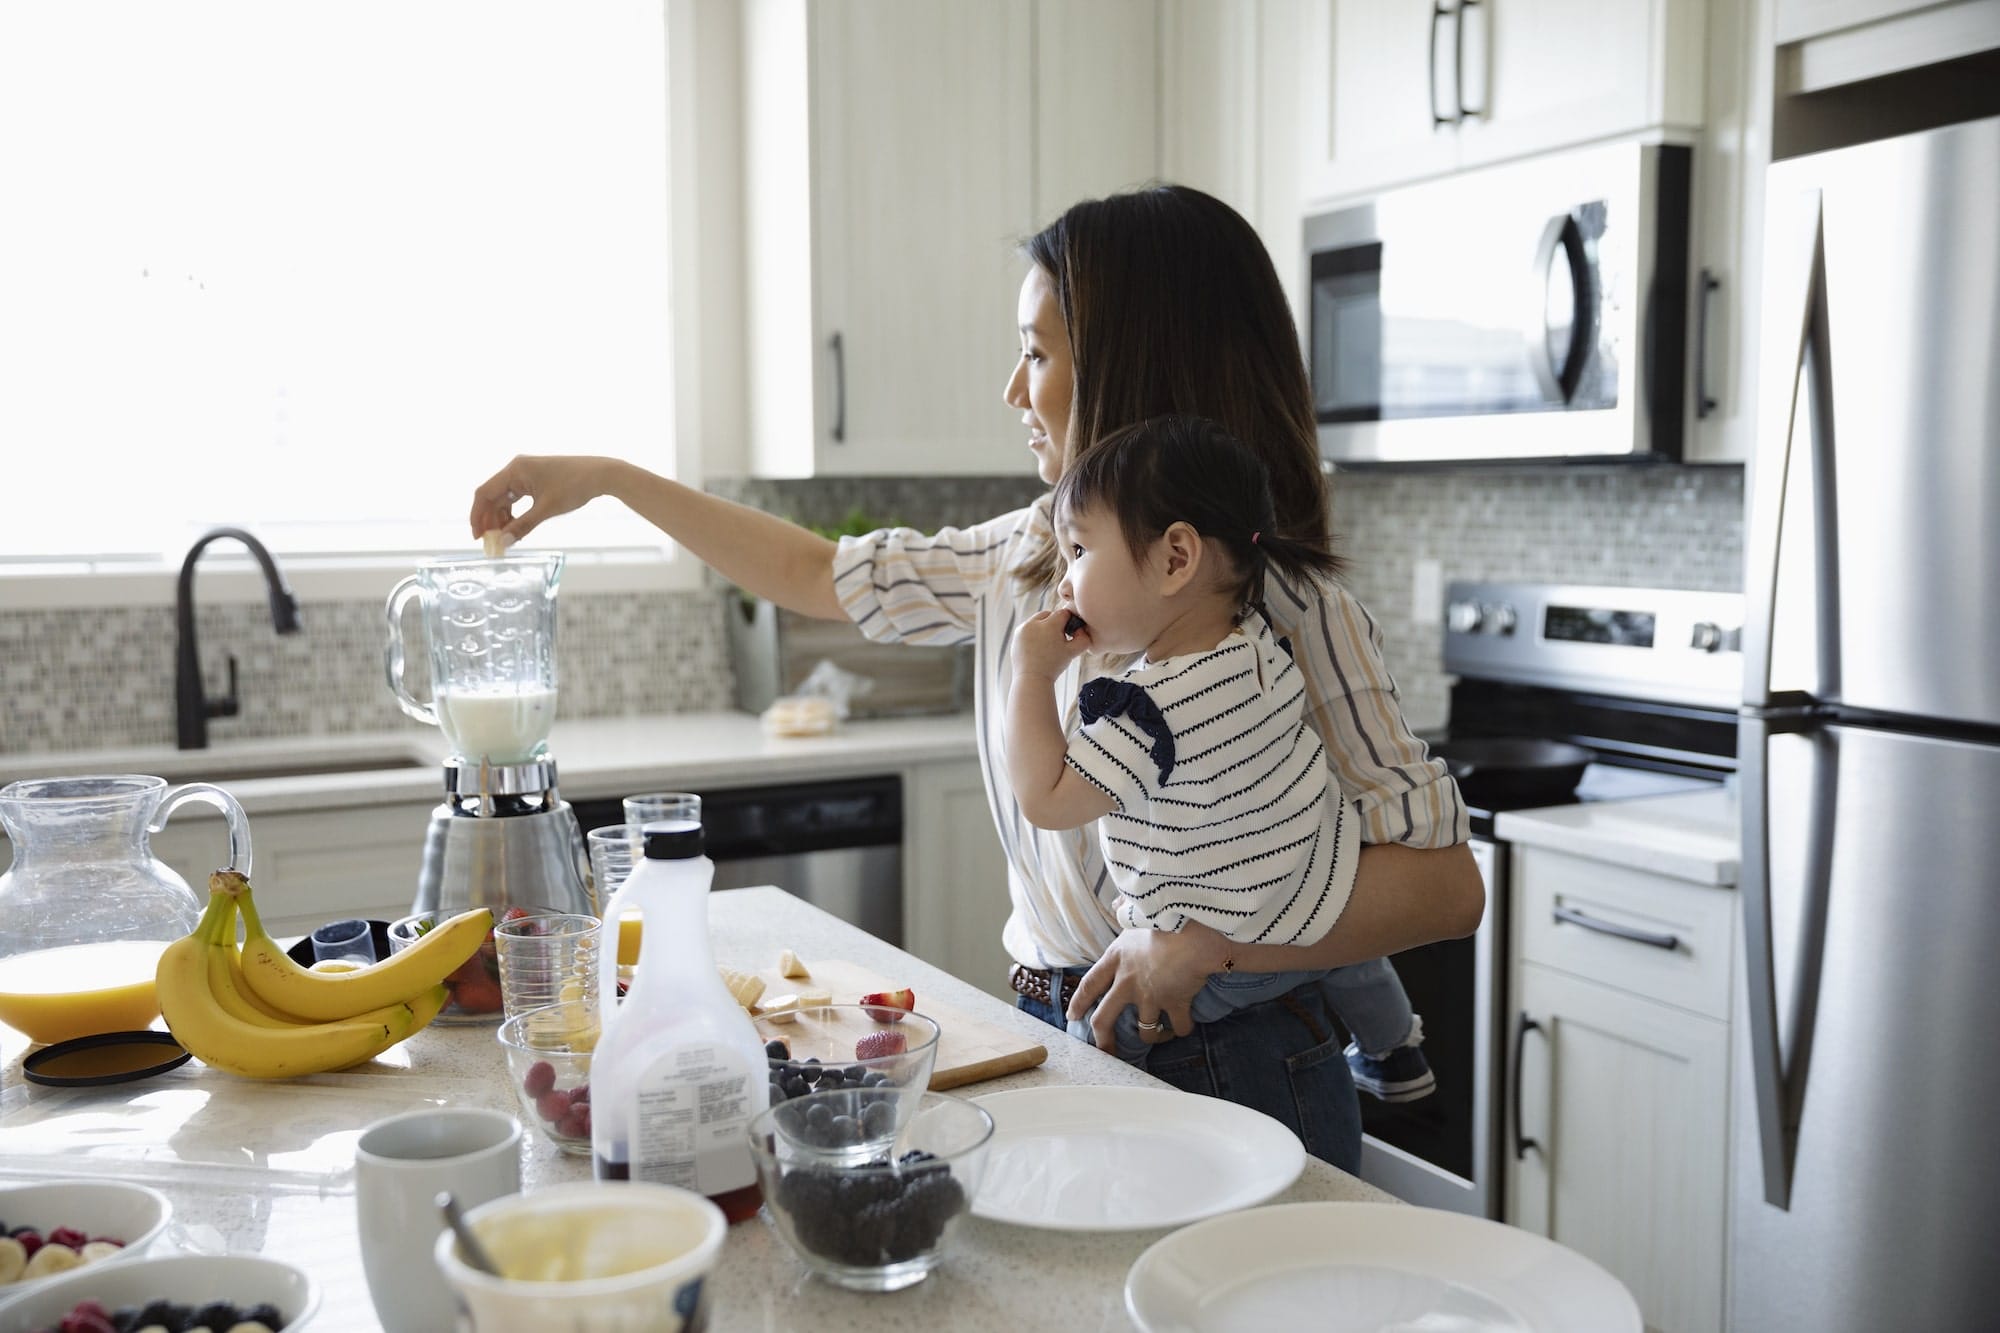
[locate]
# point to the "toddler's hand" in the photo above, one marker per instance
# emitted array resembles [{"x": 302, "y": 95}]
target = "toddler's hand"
[{"x": 1044, "y": 644}]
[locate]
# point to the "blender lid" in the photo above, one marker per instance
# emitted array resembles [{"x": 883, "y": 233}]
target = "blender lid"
[{"x": 107, "y": 1057}]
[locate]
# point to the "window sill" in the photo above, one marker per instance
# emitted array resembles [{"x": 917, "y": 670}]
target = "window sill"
[{"x": 227, "y": 577}]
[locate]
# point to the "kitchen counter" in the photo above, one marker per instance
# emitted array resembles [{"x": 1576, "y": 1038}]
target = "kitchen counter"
[
  {"x": 595, "y": 757},
  {"x": 1691, "y": 836},
  {"x": 269, "y": 1168}
]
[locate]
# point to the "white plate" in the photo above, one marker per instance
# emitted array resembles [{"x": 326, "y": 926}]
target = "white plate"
[
  {"x": 1348, "y": 1267},
  {"x": 1125, "y": 1159}
]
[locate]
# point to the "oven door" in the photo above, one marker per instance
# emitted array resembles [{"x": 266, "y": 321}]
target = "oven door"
[
  {"x": 1534, "y": 309},
  {"x": 1442, "y": 1151}
]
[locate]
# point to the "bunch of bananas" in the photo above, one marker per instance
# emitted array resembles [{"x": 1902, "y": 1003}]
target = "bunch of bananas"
[{"x": 256, "y": 1013}]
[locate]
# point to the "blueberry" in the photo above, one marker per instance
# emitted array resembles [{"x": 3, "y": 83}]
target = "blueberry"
[
  {"x": 794, "y": 1086},
  {"x": 777, "y": 1050},
  {"x": 265, "y": 1314},
  {"x": 125, "y": 1318},
  {"x": 877, "y": 1119},
  {"x": 854, "y": 1073},
  {"x": 811, "y": 1072},
  {"x": 218, "y": 1315},
  {"x": 846, "y": 1130},
  {"x": 819, "y": 1117},
  {"x": 166, "y": 1314}
]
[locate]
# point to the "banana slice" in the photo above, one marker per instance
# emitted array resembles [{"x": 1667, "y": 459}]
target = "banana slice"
[
  {"x": 810, "y": 998},
  {"x": 13, "y": 1258},
  {"x": 790, "y": 966},
  {"x": 99, "y": 1249},
  {"x": 493, "y": 542},
  {"x": 781, "y": 1009},
  {"x": 746, "y": 987},
  {"x": 51, "y": 1258}
]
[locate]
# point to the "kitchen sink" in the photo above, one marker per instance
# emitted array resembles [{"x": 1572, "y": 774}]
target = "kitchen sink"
[
  {"x": 251, "y": 770},
  {"x": 246, "y": 762}
]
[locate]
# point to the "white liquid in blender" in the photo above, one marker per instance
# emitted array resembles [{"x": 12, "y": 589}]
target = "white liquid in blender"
[{"x": 500, "y": 725}]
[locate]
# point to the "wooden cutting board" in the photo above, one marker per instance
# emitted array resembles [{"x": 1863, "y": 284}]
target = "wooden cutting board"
[{"x": 968, "y": 1050}]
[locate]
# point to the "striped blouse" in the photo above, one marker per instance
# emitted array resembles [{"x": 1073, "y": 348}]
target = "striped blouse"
[
  {"x": 957, "y": 586},
  {"x": 1225, "y": 814}
]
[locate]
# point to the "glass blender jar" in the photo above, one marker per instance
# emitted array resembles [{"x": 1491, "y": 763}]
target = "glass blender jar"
[{"x": 491, "y": 626}]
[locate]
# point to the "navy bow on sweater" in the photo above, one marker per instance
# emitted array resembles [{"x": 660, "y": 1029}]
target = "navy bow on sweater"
[{"x": 1105, "y": 697}]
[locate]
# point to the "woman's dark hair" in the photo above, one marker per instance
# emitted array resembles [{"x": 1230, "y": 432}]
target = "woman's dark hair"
[
  {"x": 1186, "y": 469},
  {"x": 1172, "y": 306}
]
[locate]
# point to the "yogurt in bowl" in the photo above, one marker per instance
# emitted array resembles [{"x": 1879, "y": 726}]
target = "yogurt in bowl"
[{"x": 591, "y": 1257}]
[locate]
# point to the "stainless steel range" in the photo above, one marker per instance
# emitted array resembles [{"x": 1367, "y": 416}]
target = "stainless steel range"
[{"x": 1563, "y": 694}]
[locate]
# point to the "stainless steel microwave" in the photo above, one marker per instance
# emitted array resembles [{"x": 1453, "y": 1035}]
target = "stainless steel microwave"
[{"x": 1531, "y": 310}]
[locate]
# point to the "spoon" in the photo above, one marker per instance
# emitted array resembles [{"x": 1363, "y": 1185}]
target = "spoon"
[{"x": 468, "y": 1244}]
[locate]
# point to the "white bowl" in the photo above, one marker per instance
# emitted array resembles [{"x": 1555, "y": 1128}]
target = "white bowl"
[
  {"x": 665, "y": 1240},
  {"x": 131, "y": 1213},
  {"x": 244, "y": 1279}
]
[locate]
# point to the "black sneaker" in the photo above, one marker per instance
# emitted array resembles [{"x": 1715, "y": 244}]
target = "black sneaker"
[{"x": 1403, "y": 1075}]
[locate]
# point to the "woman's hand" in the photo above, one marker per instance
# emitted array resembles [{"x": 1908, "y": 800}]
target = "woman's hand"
[
  {"x": 1158, "y": 971},
  {"x": 553, "y": 484}
]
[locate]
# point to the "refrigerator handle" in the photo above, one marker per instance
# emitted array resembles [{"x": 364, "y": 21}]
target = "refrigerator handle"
[
  {"x": 1778, "y": 1090},
  {"x": 1790, "y": 290}
]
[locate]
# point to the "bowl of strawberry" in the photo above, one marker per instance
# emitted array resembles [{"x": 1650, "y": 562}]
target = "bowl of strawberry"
[{"x": 548, "y": 1056}]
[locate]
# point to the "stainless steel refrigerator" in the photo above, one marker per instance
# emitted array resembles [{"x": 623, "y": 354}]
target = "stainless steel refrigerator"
[{"x": 1866, "y": 1129}]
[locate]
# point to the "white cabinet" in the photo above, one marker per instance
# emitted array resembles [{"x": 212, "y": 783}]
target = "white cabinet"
[
  {"x": 312, "y": 866},
  {"x": 954, "y": 875},
  {"x": 895, "y": 153},
  {"x": 1405, "y": 90},
  {"x": 1618, "y": 1150}
]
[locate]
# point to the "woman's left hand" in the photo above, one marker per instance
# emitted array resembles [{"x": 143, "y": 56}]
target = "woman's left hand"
[{"x": 1155, "y": 970}]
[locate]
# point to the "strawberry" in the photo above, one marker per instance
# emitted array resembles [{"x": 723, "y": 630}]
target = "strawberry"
[
  {"x": 515, "y": 913},
  {"x": 878, "y": 1044},
  {"x": 904, "y": 999}
]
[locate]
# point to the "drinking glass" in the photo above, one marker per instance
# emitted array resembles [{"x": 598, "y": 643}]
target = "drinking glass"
[
  {"x": 545, "y": 959},
  {"x": 663, "y": 807},
  {"x": 343, "y": 941}
]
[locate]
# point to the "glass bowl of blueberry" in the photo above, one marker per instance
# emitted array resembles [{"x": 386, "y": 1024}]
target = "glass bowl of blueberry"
[
  {"x": 548, "y": 1055},
  {"x": 873, "y": 1223},
  {"x": 854, "y": 1047}
]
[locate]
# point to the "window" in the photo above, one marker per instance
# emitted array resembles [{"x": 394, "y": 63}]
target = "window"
[{"x": 316, "y": 269}]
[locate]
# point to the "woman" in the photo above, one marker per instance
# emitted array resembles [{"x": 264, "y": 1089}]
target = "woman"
[{"x": 1155, "y": 301}]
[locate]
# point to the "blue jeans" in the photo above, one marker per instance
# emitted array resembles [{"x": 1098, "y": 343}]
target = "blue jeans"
[{"x": 1281, "y": 1056}]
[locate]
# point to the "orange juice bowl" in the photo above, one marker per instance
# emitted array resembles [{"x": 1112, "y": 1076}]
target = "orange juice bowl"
[{"x": 53, "y": 995}]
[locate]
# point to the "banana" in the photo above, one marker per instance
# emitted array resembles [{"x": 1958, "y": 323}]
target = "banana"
[
  {"x": 271, "y": 975},
  {"x": 238, "y": 1046},
  {"x": 225, "y": 983}
]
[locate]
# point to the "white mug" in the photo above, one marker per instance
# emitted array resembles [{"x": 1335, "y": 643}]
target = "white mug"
[{"x": 400, "y": 1166}]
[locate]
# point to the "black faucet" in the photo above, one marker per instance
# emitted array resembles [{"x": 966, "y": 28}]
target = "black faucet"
[{"x": 191, "y": 709}]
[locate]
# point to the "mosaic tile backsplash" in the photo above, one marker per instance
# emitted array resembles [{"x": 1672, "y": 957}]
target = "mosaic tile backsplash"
[{"x": 77, "y": 680}]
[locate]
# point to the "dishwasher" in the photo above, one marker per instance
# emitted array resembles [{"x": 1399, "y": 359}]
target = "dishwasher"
[{"x": 838, "y": 844}]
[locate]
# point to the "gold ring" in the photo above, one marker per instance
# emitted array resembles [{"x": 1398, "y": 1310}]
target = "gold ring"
[{"x": 1144, "y": 1026}]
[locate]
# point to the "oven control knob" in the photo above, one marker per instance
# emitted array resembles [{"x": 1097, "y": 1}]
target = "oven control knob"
[
  {"x": 1707, "y": 637},
  {"x": 1499, "y": 620},
  {"x": 1464, "y": 617}
]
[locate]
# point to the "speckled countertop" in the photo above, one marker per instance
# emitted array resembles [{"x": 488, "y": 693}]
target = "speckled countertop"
[{"x": 269, "y": 1168}]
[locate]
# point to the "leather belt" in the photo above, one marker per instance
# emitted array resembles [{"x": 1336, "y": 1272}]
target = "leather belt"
[{"x": 1033, "y": 982}]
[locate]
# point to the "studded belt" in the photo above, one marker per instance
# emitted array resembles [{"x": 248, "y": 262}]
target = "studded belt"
[{"x": 1034, "y": 983}]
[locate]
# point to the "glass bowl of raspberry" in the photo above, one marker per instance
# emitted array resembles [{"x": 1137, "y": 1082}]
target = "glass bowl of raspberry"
[
  {"x": 875, "y": 1223},
  {"x": 548, "y": 1057}
]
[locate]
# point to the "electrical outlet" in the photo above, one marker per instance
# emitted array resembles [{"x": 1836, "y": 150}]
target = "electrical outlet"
[{"x": 1427, "y": 593}]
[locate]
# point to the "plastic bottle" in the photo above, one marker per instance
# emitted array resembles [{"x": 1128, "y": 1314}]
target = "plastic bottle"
[{"x": 679, "y": 1070}]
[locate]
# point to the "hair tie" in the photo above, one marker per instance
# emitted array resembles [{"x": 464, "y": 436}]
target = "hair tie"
[{"x": 1255, "y": 535}]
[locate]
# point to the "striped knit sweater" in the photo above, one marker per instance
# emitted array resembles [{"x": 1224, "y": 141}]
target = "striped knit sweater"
[{"x": 1225, "y": 814}]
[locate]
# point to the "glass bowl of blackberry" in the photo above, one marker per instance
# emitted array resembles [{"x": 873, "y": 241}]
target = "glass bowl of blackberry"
[
  {"x": 548, "y": 1058},
  {"x": 880, "y": 1222},
  {"x": 853, "y": 1046}
]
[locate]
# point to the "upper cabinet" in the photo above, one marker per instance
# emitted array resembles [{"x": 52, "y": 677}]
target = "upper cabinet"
[
  {"x": 1414, "y": 90},
  {"x": 896, "y": 153},
  {"x": 1829, "y": 43}
]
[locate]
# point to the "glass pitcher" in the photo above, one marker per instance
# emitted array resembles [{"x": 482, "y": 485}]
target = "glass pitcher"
[
  {"x": 492, "y": 631},
  {"x": 83, "y": 872}
]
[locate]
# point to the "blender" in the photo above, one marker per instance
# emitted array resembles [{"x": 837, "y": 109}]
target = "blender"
[{"x": 503, "y": 837}]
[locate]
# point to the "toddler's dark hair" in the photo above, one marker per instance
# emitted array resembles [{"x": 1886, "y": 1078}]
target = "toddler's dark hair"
[{"x": 1187, "y": 469}]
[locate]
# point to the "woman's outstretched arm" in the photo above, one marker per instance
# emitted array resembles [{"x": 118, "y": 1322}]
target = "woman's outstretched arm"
[{"x": 775, "y": 559}]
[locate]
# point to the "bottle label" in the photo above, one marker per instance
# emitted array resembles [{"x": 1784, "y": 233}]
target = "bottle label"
[{"x": 692, "y": 1105}]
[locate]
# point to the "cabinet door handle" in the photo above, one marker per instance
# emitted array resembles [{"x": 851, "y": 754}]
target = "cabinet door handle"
[
  {"x": 1521, "y": 1141},
  {"x": 1438, "y": 119},
  {"x": 839, "y": 388},
  {"x": 1603, "y": 927},
  {"x": 1704, "y": 402},
  {"x": 1458, "y": 61}
]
